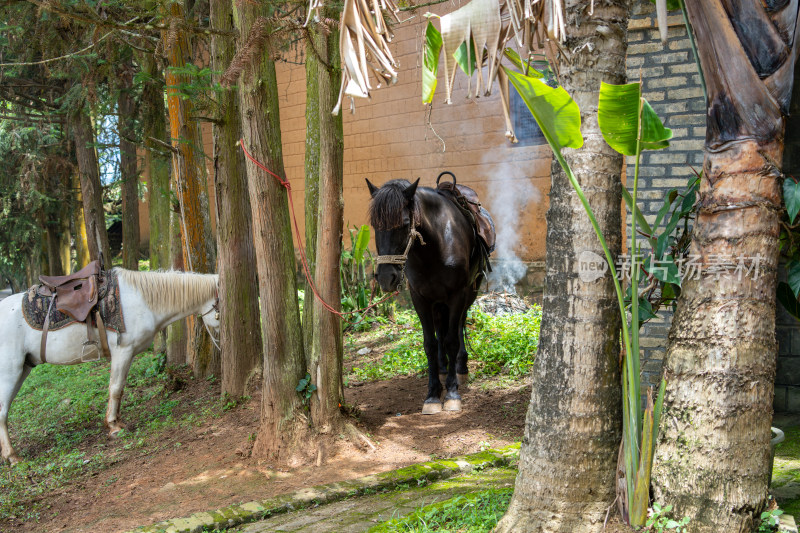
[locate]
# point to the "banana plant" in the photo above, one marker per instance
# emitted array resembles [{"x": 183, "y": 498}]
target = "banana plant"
[{"x": 630, "y": 126}]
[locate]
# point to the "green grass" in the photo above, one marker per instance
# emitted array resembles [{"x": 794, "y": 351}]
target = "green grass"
[
  {"x": 56, "y": 426},
  {"x": 472, "y": 513},
  {"x": 786, "y": 470},
  {"x": 501, "y": 345}
]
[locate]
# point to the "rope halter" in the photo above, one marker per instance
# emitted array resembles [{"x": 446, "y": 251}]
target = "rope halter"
[{"x": 413, "y": 235}]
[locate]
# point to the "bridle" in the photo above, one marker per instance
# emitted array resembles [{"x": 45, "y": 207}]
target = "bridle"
[
  {"x": 214, "y": 307},
  {"x": 413, "y": 235}
]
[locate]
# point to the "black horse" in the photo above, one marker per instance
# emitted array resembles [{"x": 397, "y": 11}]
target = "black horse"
[{"x": 424, "y": 231}]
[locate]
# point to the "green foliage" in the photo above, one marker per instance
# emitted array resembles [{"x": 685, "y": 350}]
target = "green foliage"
[
  {"x": 32, "y": 192},
  {"x": 659, "y": 522},
  {"x": 791, "y": 197},
  {"x": 465, "y": 57},
  {"x": 356, "y": 273},
  {"x": 56, "y": 426},
  {"x": 306, "y": 388},
  {"x": 475, "y": 513},
  {"x": 430, "y": 62},
  {"x": 770, "y": 521},
  {"x": 500, "y": 345}
]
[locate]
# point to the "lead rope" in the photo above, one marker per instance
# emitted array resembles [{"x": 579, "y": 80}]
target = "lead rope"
[{"x": 303, "y": 259}]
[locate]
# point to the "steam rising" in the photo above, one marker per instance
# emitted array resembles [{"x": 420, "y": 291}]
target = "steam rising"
[{"x": 510, "y": 194}]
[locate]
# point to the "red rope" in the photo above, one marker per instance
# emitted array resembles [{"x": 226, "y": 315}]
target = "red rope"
[{"x": 303, "y": 259}]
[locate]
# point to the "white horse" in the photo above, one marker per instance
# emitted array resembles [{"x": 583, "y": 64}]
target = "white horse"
[{"x": 149, "y": 300}]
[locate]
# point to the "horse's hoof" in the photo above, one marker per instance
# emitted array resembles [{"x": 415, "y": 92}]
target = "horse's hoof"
[
  {"x": 431, "y": 408},
  {"x": 13, "y": 459},
  {"x": 463, "y": 379},
  {"x": 113, "y": 432},
  {"x": 452, "y": 405}
]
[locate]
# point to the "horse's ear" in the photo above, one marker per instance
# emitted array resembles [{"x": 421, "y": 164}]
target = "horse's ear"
[
  {"x": 372, "y": 189},
  {"x": 409, "y": 191}
]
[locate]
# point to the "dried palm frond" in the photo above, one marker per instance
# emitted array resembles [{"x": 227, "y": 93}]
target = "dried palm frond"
[
  {"x": 364, "y": 46},
  {"x": 483, "y": 23}
]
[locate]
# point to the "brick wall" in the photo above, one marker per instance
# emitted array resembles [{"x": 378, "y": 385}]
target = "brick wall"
[
  {"x": 672, "y": 86},
  {"x": 389, "y": 137}
]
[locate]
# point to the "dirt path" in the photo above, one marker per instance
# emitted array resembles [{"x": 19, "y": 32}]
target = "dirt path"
[{"x": 209, "y": 467}]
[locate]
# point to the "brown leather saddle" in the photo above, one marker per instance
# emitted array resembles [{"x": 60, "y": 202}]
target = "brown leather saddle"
[
  {"x": 76, "y": 295},
  {"x": 466, "y": 199}
]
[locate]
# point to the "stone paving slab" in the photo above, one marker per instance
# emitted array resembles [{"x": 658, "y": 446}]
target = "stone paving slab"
[
  {"x": 411, "y": 476},
  {"x": 360, "y": 514}
]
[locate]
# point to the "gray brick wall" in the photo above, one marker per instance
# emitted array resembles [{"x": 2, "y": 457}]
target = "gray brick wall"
[{"x": 672, "y": 86}]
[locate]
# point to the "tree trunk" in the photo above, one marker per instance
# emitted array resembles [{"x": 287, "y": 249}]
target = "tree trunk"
[
  {"x": 128, "y": 171},
  {"x": 91, "y": 188},
  {"x": 311, "y": 195},
  {"x": 157, "y": 162},
  {"x": 176, "y": 332},
  {"x": 568, "y": 460},
  {"x": 189, "y": 171},
  {"x": 79, "y": 225},
  {"x": 325, "y": 360},
  {"x": 712, "y": 458},
  {"x": 240, "y": 329},
  {"x": 281, "y": 423}
]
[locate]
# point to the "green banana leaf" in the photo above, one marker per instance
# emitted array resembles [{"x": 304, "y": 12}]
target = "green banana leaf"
[
  {"x": 514, "y": 57},
  {"x": 465, "y": 57},
  {"x": 362, "y": 240},
  {"x": 556, "y": 113},
  {"x": 430, "y": 62},
  {"x": 618, "y": 118}
]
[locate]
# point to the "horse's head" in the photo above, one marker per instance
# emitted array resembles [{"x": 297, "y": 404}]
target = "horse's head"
[
  {"x": 391, "y": 213},
  {"x": 209, "y": 314}
]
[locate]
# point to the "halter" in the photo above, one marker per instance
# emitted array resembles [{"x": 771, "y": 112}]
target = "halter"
[
  {"x": 214, "y": 307},
  {"x": 413, "y": 235}
]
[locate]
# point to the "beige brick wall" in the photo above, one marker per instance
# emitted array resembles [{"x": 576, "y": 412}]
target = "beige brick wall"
[{"x": 388, "y": 137}]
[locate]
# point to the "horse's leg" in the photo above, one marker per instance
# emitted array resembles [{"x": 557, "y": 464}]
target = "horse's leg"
[
  {"x": 462, "y": 372},
  {"x": 453, "y": 343},
  {"x": 9, "y": 387},
  {"x": 120, "y": 365},
  {"x": 440, "y": 323},
  {"x": 433, "y": 402}
]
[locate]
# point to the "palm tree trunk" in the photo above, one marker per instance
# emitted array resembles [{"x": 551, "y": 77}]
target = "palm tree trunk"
[
  {"x": 712, "y": 458},
  {"x": 240, "y": 328},
  {"x": 284, "y": 362},
  {"x": 568, "y": 460},
  {"x": 189, "y": 172}
]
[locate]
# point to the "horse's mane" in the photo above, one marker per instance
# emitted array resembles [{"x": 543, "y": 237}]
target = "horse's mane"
[
  {"x": 387, "y": 205},
  {"x": 170, "y": 290}
]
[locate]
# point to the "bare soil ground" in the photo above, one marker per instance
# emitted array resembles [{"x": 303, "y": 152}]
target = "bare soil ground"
[{"x": 207, "y": 467}]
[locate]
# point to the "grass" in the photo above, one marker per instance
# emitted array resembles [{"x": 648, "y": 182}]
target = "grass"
[
  {"x": 500, "y": 345},
  {"x": 56, "y": 426},
  {"x": 786, "y": 472},
  {"x": 473, "y": 513}
]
